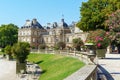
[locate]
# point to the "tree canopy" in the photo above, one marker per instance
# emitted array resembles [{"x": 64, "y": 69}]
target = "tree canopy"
[
  {"x": 114, "y": 25},
  {"x": 95, "y": 12},
  {"x": 8, "y": 34}
]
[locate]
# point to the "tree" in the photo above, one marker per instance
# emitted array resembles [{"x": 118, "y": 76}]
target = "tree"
[
  {"x": 21, "y": 50},
  {"x": 95, "y": 12},
  {"x": 8, "y": 51},
  {"x": 8, "y": 35},
  {"x": 114, "y": 25},
  {"x": 77, "y": 43}
]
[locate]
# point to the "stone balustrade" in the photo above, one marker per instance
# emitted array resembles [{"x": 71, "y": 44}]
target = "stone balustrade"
[{"x": 88, "y": 72}]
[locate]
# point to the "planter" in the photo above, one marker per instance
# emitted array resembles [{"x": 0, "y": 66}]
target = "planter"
[
  {"x": 100, "y": 53},
  {"x": 90, "y": 48},
  {"x": 20, "y": 67},
  {"x": 9, "y": 57}
]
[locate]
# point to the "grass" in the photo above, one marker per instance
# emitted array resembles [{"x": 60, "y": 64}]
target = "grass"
[{"x": 55, "y": 67}]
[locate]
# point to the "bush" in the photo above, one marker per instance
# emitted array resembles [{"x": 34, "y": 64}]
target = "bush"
[
  {"x": 8, "y": 51},
  {"x": 60, "y": 45},
  {"x": 77, "y": 43},
  {"x": 99, "y": 38},
  {"x": 21, "y": 50},
  {"x": 42, "y": 46}
]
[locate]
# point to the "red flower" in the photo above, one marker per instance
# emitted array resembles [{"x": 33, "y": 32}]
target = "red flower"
[
  {"x": 99, "y": 38},
  {"x": 98, "y": 44}
]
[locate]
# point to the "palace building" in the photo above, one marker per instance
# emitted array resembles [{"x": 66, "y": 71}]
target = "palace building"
[{"x": 34, "y": 33}]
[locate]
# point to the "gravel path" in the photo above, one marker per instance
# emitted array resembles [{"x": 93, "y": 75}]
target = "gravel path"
[
  {"x": 110, "y": 66},
  {"x": 7, "y": 70}
]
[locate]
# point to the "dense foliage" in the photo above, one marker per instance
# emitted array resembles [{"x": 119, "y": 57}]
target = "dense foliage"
[
  {"x": 114, "y": 25},
  {"x": 21, "y": 50},
  {"x": 95, "y": 12},
  {"x": 114, "y": 21},
  {"x": 8, "y": 34},
  {"x": 77, "y": 43},
  {"x": 8, "y": 51},
  {"x": 60, "y": 45},
  {"x": 99, "y": 38}
]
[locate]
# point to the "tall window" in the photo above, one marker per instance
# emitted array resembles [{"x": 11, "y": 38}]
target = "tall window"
[
  {"x": 33, "y": 39},
  {"x": 41, "y": 40},
  {"x": 67, "y": 39}
]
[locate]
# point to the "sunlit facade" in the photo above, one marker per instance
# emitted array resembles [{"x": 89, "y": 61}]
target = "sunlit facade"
[{"x": 35, "y": 34}]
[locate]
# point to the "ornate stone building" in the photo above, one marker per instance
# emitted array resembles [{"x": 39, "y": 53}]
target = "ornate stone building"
[{"x": 36, "y": 34}]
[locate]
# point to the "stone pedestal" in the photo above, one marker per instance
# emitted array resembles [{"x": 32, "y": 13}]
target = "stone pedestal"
[{"x": 91, "y": 58}]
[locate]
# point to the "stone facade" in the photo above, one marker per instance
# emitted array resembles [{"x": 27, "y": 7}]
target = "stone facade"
[{"x": 36, "y": 34}]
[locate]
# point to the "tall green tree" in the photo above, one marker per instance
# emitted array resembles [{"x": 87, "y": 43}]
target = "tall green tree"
[
  {"x": 95, "y": 12},
  {"x": 8, "y": 34}
]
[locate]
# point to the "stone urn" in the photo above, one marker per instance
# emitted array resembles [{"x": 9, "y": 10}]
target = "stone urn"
[{"x": 101, "y": 53}]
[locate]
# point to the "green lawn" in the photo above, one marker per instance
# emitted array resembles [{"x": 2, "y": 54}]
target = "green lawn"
[{"x": 55, "y": 67}]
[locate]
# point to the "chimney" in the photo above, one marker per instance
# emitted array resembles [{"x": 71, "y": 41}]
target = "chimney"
[
  {"x": 27, "y": 20},
  {"x": 62, "y": 20},
  {"x": 34, "y": 19}
]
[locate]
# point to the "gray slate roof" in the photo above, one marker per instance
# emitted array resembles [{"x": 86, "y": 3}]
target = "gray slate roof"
[{"x": 32, "y": 24}]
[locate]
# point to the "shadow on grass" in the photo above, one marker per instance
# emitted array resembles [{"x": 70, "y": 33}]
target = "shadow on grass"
[
  {"x": 43, "y": 71},
  {"x": 38, "y": 62}
]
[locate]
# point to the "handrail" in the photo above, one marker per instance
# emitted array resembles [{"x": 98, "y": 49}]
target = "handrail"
[{"x": 88, "y": 72}]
